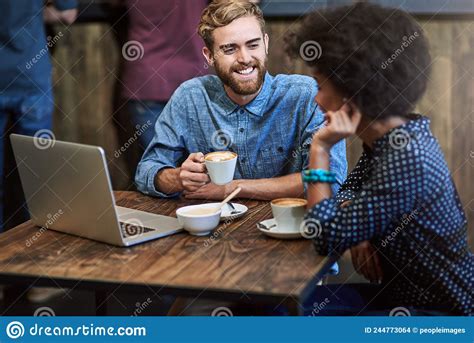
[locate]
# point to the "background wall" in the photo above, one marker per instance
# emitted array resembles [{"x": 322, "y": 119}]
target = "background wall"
[{"x": 86, "y": 64}]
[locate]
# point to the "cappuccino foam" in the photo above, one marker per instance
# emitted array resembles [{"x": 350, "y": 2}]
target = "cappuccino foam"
[
  {"x": 290, "y": 202},
  {"x": 220, "y": 156}
]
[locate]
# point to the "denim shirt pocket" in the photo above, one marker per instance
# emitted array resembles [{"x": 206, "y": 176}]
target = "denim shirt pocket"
[
  {"x": 274, "y": 161},
  {"x": 196, "y": 139}
]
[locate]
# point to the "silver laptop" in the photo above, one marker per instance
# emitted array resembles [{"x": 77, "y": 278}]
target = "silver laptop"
[{"x": 67, "y": 188}]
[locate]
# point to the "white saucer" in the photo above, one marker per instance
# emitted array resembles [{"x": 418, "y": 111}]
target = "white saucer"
[
  {"x": 226, "y": 211},
  {"x": 270, "y": 228}
]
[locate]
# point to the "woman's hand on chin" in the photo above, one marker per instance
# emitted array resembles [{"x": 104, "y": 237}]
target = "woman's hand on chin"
[{"x": 339, "y": 125}]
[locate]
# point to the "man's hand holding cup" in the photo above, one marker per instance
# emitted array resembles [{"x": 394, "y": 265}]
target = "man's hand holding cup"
[{"x": 193, "y": 174}]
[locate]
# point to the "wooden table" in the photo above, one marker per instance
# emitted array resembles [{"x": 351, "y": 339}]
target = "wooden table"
[{"x": 237, "y": 262}]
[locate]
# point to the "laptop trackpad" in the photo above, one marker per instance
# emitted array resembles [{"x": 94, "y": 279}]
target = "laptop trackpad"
[{"x": 146, "y": 219}]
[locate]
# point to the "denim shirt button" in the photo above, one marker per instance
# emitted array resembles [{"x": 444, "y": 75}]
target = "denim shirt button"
[
  {"x": 241, "y": 129},
  {"x": 243, "y": 159},
  {"x": 241, "y": 111}
]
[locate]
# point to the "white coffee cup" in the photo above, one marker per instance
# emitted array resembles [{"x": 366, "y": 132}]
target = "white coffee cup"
[
  {"x": 289, "y": 212},
  {"x": 221, "y": 166},
  {"x": 199, "y": 220}
]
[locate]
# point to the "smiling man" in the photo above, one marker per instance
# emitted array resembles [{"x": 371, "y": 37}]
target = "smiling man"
[{"x": 267, "y": 120}]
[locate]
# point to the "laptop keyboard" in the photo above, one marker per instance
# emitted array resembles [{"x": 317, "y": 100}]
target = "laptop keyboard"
[{"x": 131, "y": 230}]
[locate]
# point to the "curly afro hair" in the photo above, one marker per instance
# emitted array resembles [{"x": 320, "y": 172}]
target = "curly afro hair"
[{"x": 377, "y": 57}]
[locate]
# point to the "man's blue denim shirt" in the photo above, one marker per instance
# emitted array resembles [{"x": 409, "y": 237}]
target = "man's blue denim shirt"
[{"x": 271, "y": 134}]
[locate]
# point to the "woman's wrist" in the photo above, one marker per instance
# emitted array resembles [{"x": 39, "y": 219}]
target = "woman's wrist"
[
  {"x": 319, "y": 157},
  {"x": 320, "y": 147}
]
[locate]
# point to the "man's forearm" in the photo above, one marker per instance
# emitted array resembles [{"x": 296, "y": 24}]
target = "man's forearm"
[
  {"x": 168, "y": 181},
  {"x": 288, "y": 186},
  {"x": 51, "y": 15}
]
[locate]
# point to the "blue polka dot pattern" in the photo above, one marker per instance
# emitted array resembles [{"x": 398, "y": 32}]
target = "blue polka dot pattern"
[{"x": 404, "y": 201}]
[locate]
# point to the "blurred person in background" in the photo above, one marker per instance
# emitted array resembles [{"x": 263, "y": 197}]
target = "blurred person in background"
[
  {"x": 26, "y": 99},
  {"x": 162, "y": 50}
]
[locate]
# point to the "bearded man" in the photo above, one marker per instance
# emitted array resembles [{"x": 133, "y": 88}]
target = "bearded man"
[{"x": 268, "y": 121}]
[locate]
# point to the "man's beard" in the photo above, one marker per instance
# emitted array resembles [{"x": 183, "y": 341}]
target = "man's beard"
[{"x": 247, "y": 87}]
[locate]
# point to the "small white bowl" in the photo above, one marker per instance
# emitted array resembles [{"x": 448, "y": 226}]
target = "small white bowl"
[{"x": 198, "y": 224}]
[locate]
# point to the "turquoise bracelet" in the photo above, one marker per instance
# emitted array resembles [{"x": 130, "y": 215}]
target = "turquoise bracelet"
[{"x": 318, "y": 175}]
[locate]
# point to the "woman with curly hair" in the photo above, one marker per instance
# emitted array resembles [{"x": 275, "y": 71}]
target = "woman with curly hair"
[{"x": 398, "y": 210}]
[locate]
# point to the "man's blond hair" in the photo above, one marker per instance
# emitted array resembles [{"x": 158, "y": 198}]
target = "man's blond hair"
[{"x": 223, "y": 12}]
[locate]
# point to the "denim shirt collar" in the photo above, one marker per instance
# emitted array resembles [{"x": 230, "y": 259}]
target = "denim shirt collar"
[{"x": 256, "y": 106}]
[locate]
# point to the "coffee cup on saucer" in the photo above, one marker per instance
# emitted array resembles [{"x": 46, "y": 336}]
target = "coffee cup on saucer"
[
  {"x": 221, "y": 166},
  {"x": 289, "y": 213}
]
